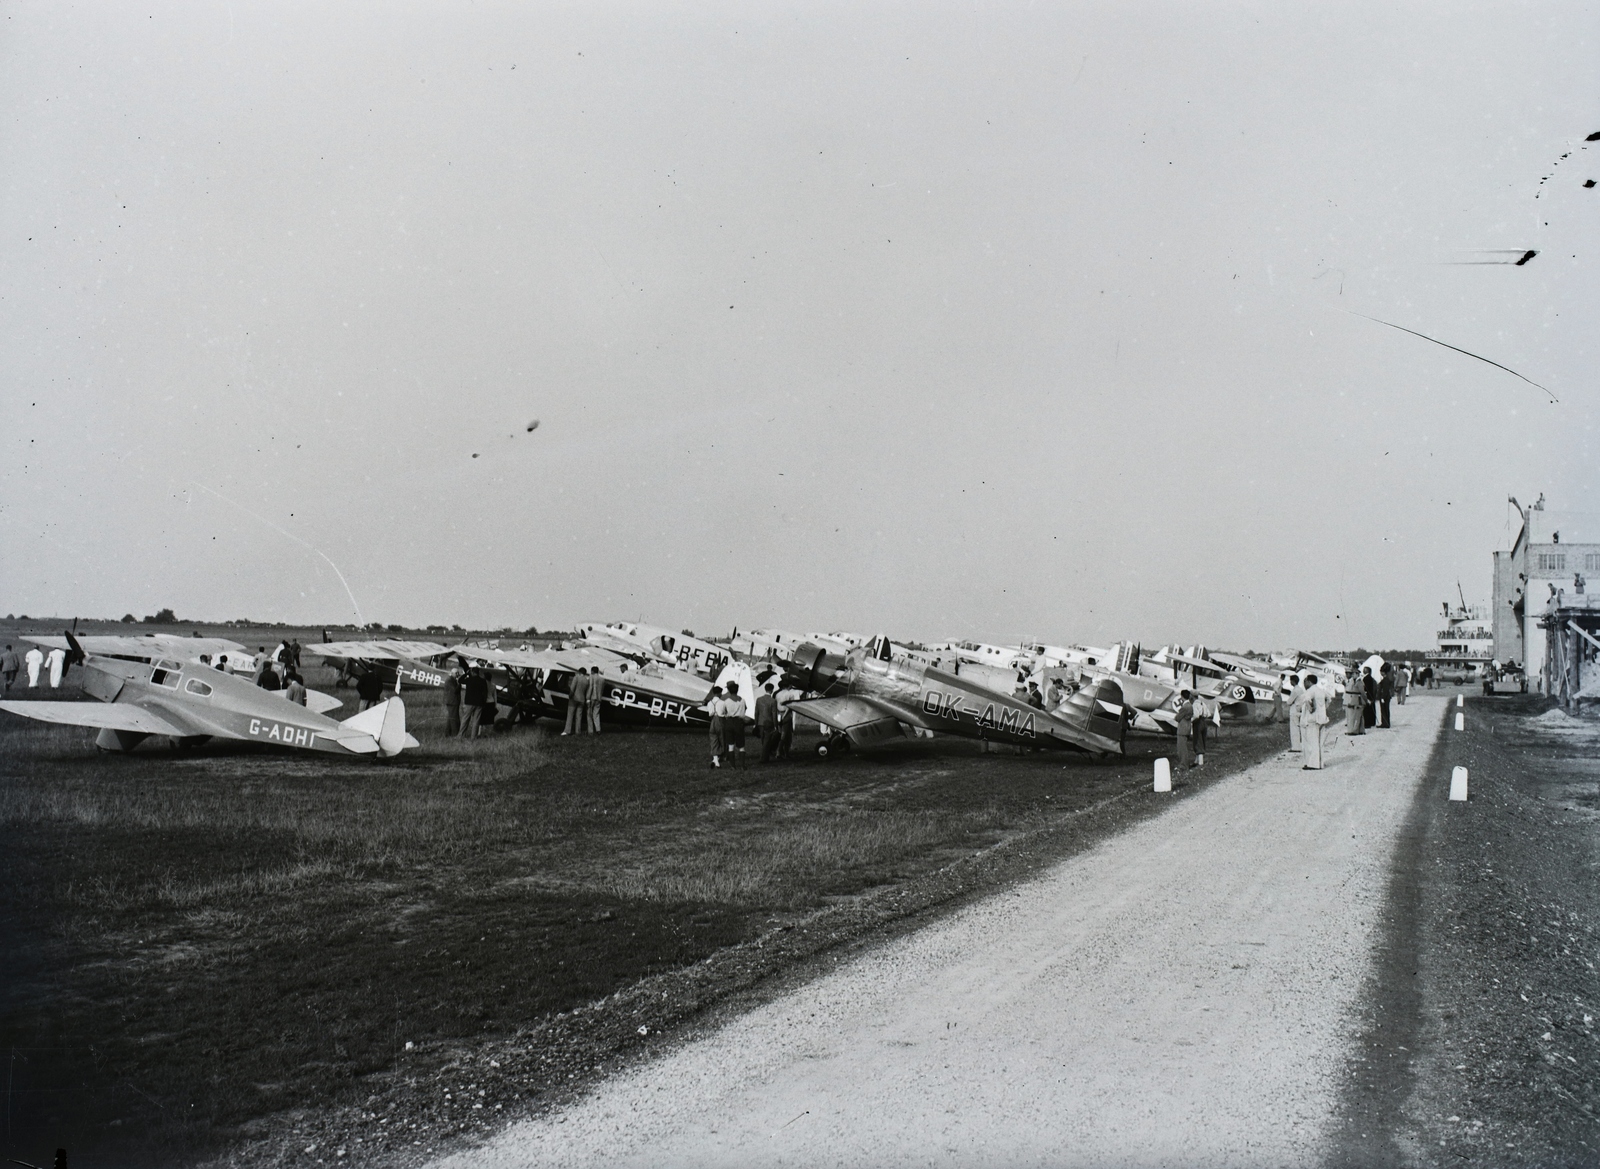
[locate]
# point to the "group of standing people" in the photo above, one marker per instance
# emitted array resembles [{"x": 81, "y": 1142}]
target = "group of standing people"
[
  {"x": 773, "y": 718},
  {"x": 1367, "y": 699},
  {"x": 585, "y": 693},
  {"x": 38, "y": 662},
  {"x": 1195, "y": 716},
  {"x": 1308, "y": 719},
  {"x": 280, "y": 670}
]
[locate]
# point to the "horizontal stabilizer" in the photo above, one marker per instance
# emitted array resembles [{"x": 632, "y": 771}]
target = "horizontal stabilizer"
[
  {"x": 322, "y": 703},
  {"x": 379, "y": 729},
  {"x": 115, "y": 716}
]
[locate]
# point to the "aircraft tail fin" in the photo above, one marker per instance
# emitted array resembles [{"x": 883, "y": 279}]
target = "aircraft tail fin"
[{"x": 380, "y": 729}]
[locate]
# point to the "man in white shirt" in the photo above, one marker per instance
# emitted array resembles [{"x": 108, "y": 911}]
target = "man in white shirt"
[
  {"x": 58, "y": 664},
  {"x": 1313, "y": 717},
  {"x": 733, "y": 711},
  {"x": 35, "y": 660},
  {"x": 1296, "y": 699}
]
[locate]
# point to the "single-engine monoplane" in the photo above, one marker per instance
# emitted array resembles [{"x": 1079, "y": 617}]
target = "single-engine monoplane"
[
  {"x": 190, "y": 703},
  {"x": 869, "y": 700}
]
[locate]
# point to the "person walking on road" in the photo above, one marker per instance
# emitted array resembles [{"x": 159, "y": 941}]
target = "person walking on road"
[
  {"x": 1185, "y": 716},
  {"x": 10, "y": 666},
  {"x": 1402, "y": 684},
  {"x": 713, "y": 708},
  {"x": 1369, "y": 688},
  {"x": 1354, "y": 699},
  {"x": 1296, "y": 693},
  {"x": 58, "y": 666},
  {"x": 1313, "y": 718},
  {"x": 577, "y": 703},
  {"x": 767, "y": 723},
  {"x": 1385, "y": 693},
  {"x": 597, "y": 693},
  {"x": 452, "y": 703},
  {"x": 475, "y": 696}
]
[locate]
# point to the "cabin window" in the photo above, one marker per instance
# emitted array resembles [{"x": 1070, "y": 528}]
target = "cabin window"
[
  {"x": 165, "y": 674},
  {"x": 195, "y": 686}
]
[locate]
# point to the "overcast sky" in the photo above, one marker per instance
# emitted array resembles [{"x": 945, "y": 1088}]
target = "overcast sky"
[{"x": 943, "y": 320}]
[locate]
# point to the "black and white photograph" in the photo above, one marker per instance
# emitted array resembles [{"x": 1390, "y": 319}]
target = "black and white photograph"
[{"x": 785, "y": 583}]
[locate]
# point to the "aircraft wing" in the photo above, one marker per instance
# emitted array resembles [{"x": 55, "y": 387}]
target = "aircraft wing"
[
  {"x": 866, "y": 720},
  {"x": 116, "y": 716},
  {"x": 542, "y": 659},
  {"x": 146, "y": 647},
  {"x": 375, "y": 651}
]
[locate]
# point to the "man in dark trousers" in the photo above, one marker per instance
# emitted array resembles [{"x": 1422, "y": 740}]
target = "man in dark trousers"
[
  {"x": 452, "y": 703},
  {"x": 474, "y": 696},
  {"x": 1369, "y": 687},
  {"x": 10, "y": 666},
  {"x": 577, "y": 703},
  {"x": 785, "y": 698},
  {"x": 767, "y": 723},
  {"x": 1385, "y": 693},
  {"x": 369, "y": 688},
  {"x": 1184, "y": 713}
]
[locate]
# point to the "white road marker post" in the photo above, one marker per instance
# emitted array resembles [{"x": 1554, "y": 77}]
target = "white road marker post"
[
  {"x": 1461, "y": 699},
  {"x": 1163, "y": 775},
  {"x": 1461, "y": 721},
  {"x": 1458, "y": 784}
]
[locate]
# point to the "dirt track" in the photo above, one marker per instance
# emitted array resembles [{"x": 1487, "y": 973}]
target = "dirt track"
[{"x": 1187, "y": 993}]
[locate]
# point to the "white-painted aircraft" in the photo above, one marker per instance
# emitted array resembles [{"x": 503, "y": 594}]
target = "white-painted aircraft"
[{"x": 683, "y": 651}]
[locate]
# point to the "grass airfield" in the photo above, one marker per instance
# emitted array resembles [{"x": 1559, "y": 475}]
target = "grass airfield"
[{"x": 242, "y": 952}]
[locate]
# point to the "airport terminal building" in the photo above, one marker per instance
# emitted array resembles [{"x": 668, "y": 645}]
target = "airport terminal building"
[{"x": 1547, "y": 561}]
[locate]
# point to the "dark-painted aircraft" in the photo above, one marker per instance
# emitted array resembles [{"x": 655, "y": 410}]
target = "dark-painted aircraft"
[
  {"x": 189, "y": 703},
  {"x": 397, "y": 663},
  {"x": 868, "y": 700},
  {"x": 651, "y": 694}
]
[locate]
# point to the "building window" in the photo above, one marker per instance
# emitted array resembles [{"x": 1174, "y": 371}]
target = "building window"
[
  {"x": 1591, "y": 562},
  {"x": 1552, "y": 562}
]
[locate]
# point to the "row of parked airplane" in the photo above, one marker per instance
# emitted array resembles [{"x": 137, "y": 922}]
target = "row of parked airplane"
[{"x": 863, "y": 691}]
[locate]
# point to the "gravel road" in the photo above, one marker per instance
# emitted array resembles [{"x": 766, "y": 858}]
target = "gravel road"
[{"x": 1187, "y": 993}]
